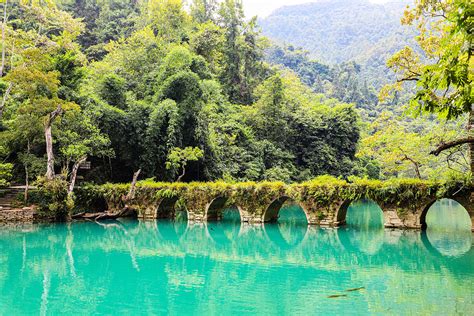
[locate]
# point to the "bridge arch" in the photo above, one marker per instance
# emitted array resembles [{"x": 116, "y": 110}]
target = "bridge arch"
[
  {"x": 456, "y": 202},
  {"x": 271, "y": 212},
  {"x": 166, "y": 208},
  {"x": 214, "y": 210},
  {"x": 341, "y": 216},
  {"x": 342, "y": 212}
]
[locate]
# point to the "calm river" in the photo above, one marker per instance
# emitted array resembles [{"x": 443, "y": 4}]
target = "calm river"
[{"x": 164, "y": 267}]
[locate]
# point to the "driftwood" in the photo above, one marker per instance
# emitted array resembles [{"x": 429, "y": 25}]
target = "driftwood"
[{"x": 126, "y": 211}]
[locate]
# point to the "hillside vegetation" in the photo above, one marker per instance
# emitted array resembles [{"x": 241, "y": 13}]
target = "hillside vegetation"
[{"x": 338, "y": 31}]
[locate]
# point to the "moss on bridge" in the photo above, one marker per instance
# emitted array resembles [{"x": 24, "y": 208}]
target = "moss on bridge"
[{"x": 324, "y": 199}]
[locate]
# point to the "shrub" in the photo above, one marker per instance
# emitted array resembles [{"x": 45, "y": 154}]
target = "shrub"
[
  {"x": 5, "y": 174},
  {"x": 53, "y": 200}
]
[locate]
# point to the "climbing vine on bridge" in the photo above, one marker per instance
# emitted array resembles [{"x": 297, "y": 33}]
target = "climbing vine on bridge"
[{"x": 323, "y": 193}]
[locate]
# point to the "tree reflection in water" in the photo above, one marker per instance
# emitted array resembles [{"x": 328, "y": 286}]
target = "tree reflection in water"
[{"x": 184, "y": 268}]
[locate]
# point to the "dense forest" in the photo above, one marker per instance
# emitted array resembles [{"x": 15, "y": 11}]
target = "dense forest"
[{"x": 194, "y": 93}]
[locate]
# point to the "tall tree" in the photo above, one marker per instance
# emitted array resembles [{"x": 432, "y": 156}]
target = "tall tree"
[
  {"x": 39, "y": 80},
  {"x": 242, "y": 67},
  {"x": 443, "y": 71},
  {"x": 203, "y": 10}
]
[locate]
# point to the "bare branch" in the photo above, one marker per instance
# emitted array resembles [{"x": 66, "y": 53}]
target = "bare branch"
[{"x": 444, "y": 146}]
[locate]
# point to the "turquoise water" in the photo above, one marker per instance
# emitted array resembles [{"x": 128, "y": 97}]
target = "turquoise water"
[{"x": 133, "y": 267}]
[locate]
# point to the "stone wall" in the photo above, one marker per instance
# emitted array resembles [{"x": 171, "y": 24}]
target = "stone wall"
[{"x": 17, "y": 215}]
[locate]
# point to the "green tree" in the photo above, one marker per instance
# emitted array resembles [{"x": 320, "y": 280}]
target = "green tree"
[
  {"x": 203, "y": 10},
  {"x": 443, "y": 71},
  {"x": 178, "y": 158},
  {"x": 105, "y": 21},
  {"x": 36, "y": 78},
  {"x": 78, "y": 139},
  {"x": 242, "y": 67},
  {"x": 402, "y": 148},
  {"x": 112, "y": 91}
]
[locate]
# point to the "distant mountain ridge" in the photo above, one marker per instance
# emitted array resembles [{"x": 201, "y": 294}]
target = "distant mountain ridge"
[{"x": 340, "y": 31}]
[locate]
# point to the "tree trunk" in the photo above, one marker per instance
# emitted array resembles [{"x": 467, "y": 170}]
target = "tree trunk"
[
  {"x": 75, "y": 168},
  {"x": 27, "y": 185},
  {"x": 27, "y": 174},
  {"x": 416, "y": 165},
  {"x": 131, "y": 193},
  {"x": 5, "y": 98},
  {"x": 49, "y": 142},
  {"x": 4, "y": 24},
  {"x": 181, "y": 175},
  {"x": 49, "y": 152}
]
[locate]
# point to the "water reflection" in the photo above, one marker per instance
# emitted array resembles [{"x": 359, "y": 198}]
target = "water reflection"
[
  {"x": 364, "y": 231},
  {"x": 448, "y": 229},
  {"x": 368, "y": 241},
  {"x": 168, "y": 267},
  {"x": 291, "y": 226},
  {"x": 448, "y": 243},
  {"x": 448, "y": 215}
]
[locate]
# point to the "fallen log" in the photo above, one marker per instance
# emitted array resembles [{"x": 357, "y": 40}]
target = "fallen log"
[{"x": 126, "y": 211}]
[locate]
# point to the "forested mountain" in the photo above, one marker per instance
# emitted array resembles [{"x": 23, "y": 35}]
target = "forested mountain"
[
  {"x": 343, "y": 81},
  {"x": 341, "y": 48},
  {"x": 338, "y": 31}
]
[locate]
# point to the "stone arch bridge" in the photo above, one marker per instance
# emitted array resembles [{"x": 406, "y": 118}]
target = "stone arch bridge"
[{"x": 325, "y": 201}]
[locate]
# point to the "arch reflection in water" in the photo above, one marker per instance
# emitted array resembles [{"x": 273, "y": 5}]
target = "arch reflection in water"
[
  {"x": 446, "y": 215},
  {"x": 364, "y": 231},
  {"x": 227, "y": 230},
  {"x": 291, "y": 227},
  {"x": 447, "y": 243},
  {"x": 368, "y": 241}
]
